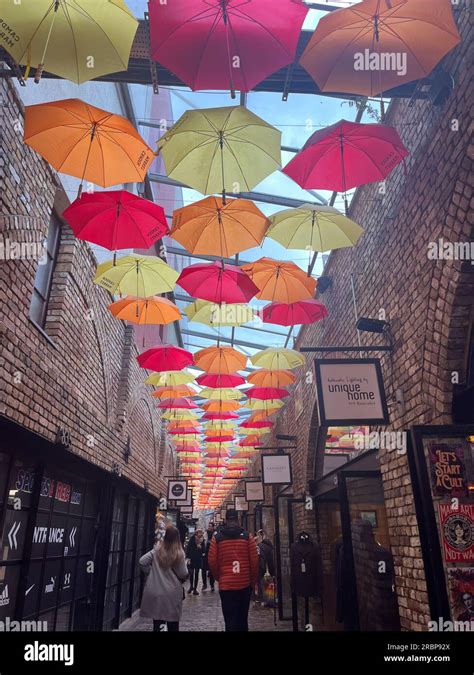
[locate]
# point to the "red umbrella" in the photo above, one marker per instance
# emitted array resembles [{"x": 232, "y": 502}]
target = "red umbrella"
[
  {"x": 220, "y": 380},
  {"x": 181, "y": 403},
  {"x": 265, "y": 393},
  {"x": 345, "y": 155},
  {"x": 257, "y": 424},
  {"x": 217, "y": 282},
  {"x": 295, "y": 313},
  {"x": 117, "y": 219},
  {"x": 185, "y": 431},
  {"x": 165, "y": 357},
  {"x": 229, "y": 44},
  {"x": 219, "y": 439},
  {"x": 220, "y": 416}
]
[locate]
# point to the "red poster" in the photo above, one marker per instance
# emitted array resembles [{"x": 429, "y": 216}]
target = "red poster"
[
  {"x": 447, "y": 468},
  {"x": 457, "y": 531}
]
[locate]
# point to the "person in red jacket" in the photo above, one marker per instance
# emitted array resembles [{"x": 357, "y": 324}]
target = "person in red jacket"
[{"x": 233, "y": 561}]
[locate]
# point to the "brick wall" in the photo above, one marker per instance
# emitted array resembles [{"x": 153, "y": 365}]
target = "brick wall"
[{"x": 81, "y": 372}]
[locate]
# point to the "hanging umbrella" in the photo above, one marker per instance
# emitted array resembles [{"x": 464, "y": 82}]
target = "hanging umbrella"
[
  {"x": 277, "y": 358},
  {"x": 138, "y": 275},
  {"x": 178, "y": 414},
  {"x": 294, "y": 314},
  {"x": 170, "y": 378},
  {"x": 271, "y": 378},
  {"x": 346, "y": 42},
  {"x": 280, "y": 281},
  {"x": 220, "y": 380},
  {"x": 256, "y": 425},
  {"x": 78, "y": 40},
  {"x": 214, "y": 227},
  {"x": 229, "y": 45},
  {"x": 265, "y": 393},
  {"x": 269, "y": 404},
  {"x": 165, "y": 357},
  {"x": 227, "y": 415},
  {"x": 220, "y": 406},
  {"x": 221, "y": 394},
  {"x": 253, "y": 432},
  {"x": 83, "y": 141},
  {"x": 346, "y": 155},
  {"x": 220, "y": 360},
  {"x": 315, "y": 227},
  {"x": 170, "y": 403},
  {"x": 184, "y": 432},
  {"x": 215, "y": 149},
  {"x": 154, "y": 310},
  {"x": 174, "y": 392},
  {"x": 217, "y": 282},
  {"x": 213, "y": 314},
  {"x": 183, "y": 424},
  {"x": 253, "y": 441}
]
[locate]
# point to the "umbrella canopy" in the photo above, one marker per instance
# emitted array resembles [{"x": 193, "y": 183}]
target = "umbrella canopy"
[
  {"x": 84, "y": 141},
  {"x": 253, "y": 432},
  {"x": 263, "y": 424},
  {"x": 294, "y": 314},
  {"x": 315, "y": 227},
  {"x": 220, "y": 360},
  {"x": 214, "y": 227},
  {"x": 348, "y": 50},
  {"x": 183, "y": 424},
  {"x": 154, "y": 310},
  {"x": 116, "y": 219},
  {"x": 169, "y": 378},
  {"x": 136, "y": 275},
  {"x": 213, "y": 314},
  {"x": 261, "y": 415},
  {"x": 346, "y": 155},
  {"x": 220, "y": 380},
  {"x": 271, "y": 378},
  {"x": 268, "y": 404},
  {"x": 220, "y": 406},
  {"x": 225, "y": 415},
  {"x": 179, "y": 414},
  {"x": 265, "y": 393},
  {"x": 170, "y": 403},
  {"x": 229, "y": 45},
  {"x": 174, "y": 392},
  {"x": 253, "y": 441},
  {"x": 218, "y": 437},
  {"x": 217, "y": 282},
  {"x": 280, "y": 281},
  {"x": 165, "y": 357},
  {"x": 76, "y": 39},
  {"x": 184, "y": 431},
  {"x": 227, "y": 394},
  {"x": 275, "y": 358},
  {"x": 213, "y": 150}
]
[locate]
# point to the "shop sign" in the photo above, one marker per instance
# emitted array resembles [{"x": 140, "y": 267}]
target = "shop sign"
[
  {"x": 350, "y": 392},
  {"x": 447, "y": 468},
  {"x": 276, "y": 469},
  {"x": 457, "y": 528},
  {"x": 177, "y": 490},
  {"x": 254, "y": 491}
]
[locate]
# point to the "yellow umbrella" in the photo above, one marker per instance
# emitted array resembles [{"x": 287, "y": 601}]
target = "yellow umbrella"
[
  {"x": 278, "y": 358},
  {"x": 170, "y": 378},
  {"x": 138, "y": 275},
  {"x": 269, "y": 404},
  {"x": 78, "y": 40},
  {"x": 213, "y": 314},
  {"x": 221, "y": 394},
  {"x": 179, "y": 414},
  {"x": 217, "y": 149},
  {"x": 252, "y": 432}
]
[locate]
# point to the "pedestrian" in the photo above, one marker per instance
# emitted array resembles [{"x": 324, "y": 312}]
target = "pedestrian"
[
  {"x": 166, "y": 571},
  {"x": 210, "y": 532},
  {"x": 233, "y": 561},
  {"x": 266, "y": 562},
  {"x": 195, "y": 552}
]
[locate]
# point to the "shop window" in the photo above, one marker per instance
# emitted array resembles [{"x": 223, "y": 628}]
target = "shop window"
[{"x": 44, "y": 274}]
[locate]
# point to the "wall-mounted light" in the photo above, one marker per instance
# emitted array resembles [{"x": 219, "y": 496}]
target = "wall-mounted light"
[{"x": 372, "y": 325}]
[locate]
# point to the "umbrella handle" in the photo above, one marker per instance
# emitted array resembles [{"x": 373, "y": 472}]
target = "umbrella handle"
[{"x": 38, "y": 73}]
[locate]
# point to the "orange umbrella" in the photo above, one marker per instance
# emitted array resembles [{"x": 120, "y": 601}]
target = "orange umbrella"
[
  {"x": 271, "y": 378},
  {"x": 262, "y": 415},
  {"x": 87, "y": 142},
  {"x": 280, "y": 281},
  {"x": 351, "y": 48},
  {"x": 214, "y": 227},
  {"x": 222, "y": 360},
  {"x": 220, "y": 406},
  {"x": 154, "y": 310},
  {"x": 174, "y": 392}
]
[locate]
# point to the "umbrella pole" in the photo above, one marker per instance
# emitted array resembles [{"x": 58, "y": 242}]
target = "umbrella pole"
[
  {"x": 40, "y": 68},
  {"x": 346, "y": 206},
  {"x": 229, "y": 60},
  {"x": 93, "y": 130}
]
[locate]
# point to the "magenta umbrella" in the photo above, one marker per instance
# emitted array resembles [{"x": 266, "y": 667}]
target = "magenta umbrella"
[
  {"x": 217, "y": 282},
  {"x": 165, "y": 357},
  {"x": 220, "y": 416},
  {"x": 257, "y": 424},
  {"x": 178, "y": 403},
  {"x": 225, "y": 44},
  {"x": 266, "y": 393},
  {"x": 220, "y": 380},
  {"x": 295, "y": 313}
]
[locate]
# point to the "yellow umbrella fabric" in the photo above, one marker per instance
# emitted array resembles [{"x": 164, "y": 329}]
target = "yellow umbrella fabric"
[
  {"x": 78, "y": 40},
  {"x": 221, "y": 150},
  {"x": 170, "y": 378},
  {"x": 213, "y": 314},
  {"x": 314, "y": 227},
  {"x": 228, "y": 394},
  {"x": 141, "y": 276},
  {"x": 275, "y": 358},
  {"x": 269, "y": 404},
  {"x": 178, "y": 414}
]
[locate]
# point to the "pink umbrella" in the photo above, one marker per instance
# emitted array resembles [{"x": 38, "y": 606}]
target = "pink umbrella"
[
  {"x": 262, "y": 424},
  {"x": 217, "y": 282},
  {"x": 165, "y": 357},
  {"x": 178, "y": 403},
  {"x": 295, "y": 313},
  {"x": 220, "y": 380},
  {"x": 266, "y": 393},
  {"x": 220, "y": 416}
]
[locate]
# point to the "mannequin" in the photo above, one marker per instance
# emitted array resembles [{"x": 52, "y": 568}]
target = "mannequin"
[{"x": 306, "y": 569}]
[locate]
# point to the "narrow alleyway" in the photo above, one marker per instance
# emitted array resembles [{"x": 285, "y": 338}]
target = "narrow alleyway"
[{"x": 203, "y": 613}]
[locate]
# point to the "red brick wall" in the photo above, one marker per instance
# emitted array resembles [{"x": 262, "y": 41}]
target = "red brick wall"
[{"x": 82, "y": 375}]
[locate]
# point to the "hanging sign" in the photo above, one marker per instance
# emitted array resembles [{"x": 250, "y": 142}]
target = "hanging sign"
[
  {"x": 457, "y": 528},
  {"x": 350, "y": 392},
  {"x": 447, "y": 468},
  {"x": 276, "y": 469},
  {"x": 254, "y": 491},
  {"x": 178, "y": 490},
  {"x": 240, "y": 503}
]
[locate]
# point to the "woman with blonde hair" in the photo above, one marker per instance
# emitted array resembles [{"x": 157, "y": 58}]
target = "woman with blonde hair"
[{"x": 163, "y": 594}]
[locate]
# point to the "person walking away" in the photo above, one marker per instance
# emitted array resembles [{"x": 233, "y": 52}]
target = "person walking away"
[
  {"x": 195, "y": 552},
  {"x": 210, "y": 532},
  {"x": 166, "y": 571},
  {"x": 266, "y": 562},
  {"x": 233, "y": 561}
]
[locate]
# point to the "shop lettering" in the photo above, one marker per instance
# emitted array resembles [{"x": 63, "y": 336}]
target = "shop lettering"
[
  {"x": 448, "y": 471},
  {"x": 25, "y": 481},
  {"x": 63, "y": 492},
  {"x": 8, "y": 34},
  {"x": 56, "y": 535},
  {"x": 47, "y": 487},
  {"x": 353, "y": 392}
]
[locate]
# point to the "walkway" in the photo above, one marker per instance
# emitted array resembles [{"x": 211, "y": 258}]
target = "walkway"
[{"x": 202, "y": 613}]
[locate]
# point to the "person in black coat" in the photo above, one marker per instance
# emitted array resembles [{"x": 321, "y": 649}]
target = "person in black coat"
[
  {"x": 210, "y": 532},
  {"x": 195, "y": 552}
]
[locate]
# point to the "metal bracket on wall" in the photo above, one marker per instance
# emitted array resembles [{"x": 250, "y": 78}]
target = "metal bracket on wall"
[{"x": 368, "y": 349}]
